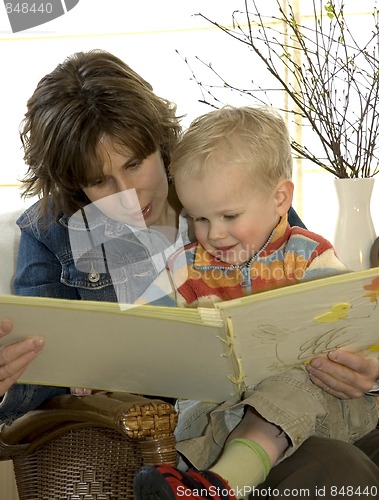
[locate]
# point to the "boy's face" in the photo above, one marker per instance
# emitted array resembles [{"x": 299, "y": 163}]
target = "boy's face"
[{"x": 232, "y": 217}]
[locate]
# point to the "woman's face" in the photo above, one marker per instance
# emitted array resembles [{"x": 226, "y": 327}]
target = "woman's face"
[{"x": 132, "y": 191}]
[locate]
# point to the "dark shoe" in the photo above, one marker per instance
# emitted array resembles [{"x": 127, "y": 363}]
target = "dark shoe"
[{"x": 163, "y": 482}]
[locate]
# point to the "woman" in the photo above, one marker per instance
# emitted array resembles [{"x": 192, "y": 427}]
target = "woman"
[{"x": 95, "y": 132}]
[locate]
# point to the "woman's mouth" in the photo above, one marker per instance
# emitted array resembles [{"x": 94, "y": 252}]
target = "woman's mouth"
[
  {"x": 140, "y": 214},
  {"x": 147, "y": 211}
]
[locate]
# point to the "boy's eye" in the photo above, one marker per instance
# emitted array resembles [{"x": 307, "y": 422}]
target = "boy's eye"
[
  {"x": 231, "y": 217},
  {"x": 199, "y": 219}
]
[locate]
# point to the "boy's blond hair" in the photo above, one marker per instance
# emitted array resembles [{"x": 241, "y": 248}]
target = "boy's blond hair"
[{"x": 256, "y": 137}]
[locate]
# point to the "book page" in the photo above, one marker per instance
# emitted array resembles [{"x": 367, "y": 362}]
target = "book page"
[
  {"x": 146, "y": 350},
  {"x": 280, "y": 329}
]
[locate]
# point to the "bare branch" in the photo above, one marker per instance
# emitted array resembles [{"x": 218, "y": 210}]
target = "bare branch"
[{"x": 331, "y": 78}]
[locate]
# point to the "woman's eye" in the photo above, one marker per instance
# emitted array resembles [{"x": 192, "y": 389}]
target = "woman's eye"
[
  {"x": 95, "y": 183},
  {"x": 231, "y": 217},
  {"x": 99, "y": 182},
  {"x": 134, "y": 165},
  {"x": 199, "y": 219}
]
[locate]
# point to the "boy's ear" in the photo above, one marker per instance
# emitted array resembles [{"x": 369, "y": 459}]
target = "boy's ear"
[{"x": 284, "y": 196}]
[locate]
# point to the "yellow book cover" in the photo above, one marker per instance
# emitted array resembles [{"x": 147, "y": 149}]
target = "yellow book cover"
[{"x": 209, "y": 354}]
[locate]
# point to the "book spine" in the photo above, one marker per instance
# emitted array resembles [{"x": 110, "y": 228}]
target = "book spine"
[{"x": 238, "y": 378}]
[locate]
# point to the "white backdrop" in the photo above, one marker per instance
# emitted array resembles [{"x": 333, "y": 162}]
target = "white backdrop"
[{"x": 154, "y": 38}]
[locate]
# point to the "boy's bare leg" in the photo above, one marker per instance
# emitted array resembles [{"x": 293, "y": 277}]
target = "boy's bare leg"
[
  {"x": 252, "y": 448},
  {"x": 254, "y": 427}
]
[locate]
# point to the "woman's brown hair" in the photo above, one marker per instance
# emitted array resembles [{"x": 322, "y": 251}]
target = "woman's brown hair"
[{"x": 90, "y": 95}]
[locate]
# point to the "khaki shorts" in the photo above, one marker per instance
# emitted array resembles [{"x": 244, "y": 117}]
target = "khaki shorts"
[{"x": 289, "y": 400}]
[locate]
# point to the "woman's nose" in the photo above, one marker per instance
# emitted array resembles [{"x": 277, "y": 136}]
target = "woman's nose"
[
  {"x": 121, "y": 184},
  {"x": 129, "y": 199}
]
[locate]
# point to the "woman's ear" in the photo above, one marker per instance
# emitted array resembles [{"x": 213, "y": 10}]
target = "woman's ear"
[{"x": 284, "y": 196}]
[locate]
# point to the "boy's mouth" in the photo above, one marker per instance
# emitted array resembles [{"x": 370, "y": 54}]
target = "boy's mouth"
[{"x": 225, "y": 249}]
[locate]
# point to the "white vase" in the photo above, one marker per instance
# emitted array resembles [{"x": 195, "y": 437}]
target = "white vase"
[{"x": 354, "y": 233}]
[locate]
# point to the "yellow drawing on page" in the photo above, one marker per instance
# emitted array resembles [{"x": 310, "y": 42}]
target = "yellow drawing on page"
[
  {"x": 373, "y": 348},
  {"x": 337, "y": 312}
]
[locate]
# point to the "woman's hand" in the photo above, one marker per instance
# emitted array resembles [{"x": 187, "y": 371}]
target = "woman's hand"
[
  {"x": 15, "y": 358},
  {"x": 344, "y": 374},
  {"x": 80, "y": 391}
]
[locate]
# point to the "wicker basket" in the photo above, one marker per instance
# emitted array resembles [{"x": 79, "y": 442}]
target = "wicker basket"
[{"x": 88, "y": 448}]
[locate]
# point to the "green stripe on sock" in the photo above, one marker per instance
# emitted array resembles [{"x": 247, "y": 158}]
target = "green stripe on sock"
[{"x": 258, "y": 450}]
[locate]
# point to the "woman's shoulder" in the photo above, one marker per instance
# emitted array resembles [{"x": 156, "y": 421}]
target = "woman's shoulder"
[
  {"x": 30, "y": 216},
  {"x": 40, "y": 224}
]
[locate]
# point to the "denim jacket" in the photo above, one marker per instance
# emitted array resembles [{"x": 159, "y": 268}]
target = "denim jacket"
[
  {"x": 81, "y": 258},
  {"x": 84, "y": 257}
]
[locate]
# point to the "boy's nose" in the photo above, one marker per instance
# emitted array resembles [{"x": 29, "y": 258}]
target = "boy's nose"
[{"x": 216, "y": 231}]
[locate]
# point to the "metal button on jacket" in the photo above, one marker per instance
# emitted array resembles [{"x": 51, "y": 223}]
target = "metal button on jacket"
[{"x": 94, "y": 277}]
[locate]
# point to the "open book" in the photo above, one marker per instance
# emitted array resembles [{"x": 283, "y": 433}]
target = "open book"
[{"x": 209, "y": 354}]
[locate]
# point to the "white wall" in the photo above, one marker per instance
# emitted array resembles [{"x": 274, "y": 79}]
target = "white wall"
[{"x": 154, "y": 38}]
